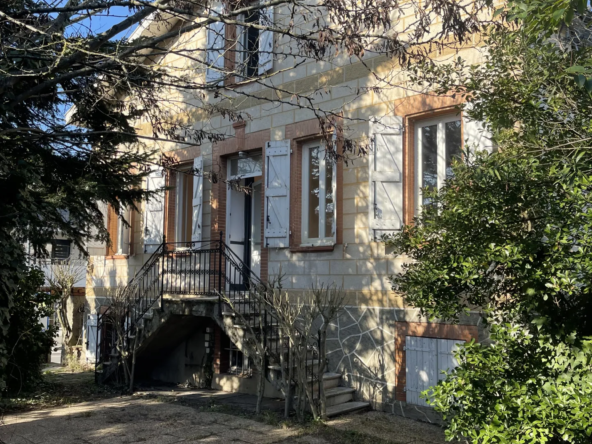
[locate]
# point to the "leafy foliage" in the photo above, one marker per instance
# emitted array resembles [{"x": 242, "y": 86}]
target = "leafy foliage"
[
  {"x": 28, "y": 343},
  {"x": 530, "y": 389},
  {"x": 510, "y": 236}
]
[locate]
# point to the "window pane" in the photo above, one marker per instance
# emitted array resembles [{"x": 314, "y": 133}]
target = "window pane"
[
  {"x": 329, "y": 199},
  {"x": 429, "y": 158},
  {"x": 453, "y": 144},
  {"x": 313, "y": 193},
  {"x": 246, "y": 166}
]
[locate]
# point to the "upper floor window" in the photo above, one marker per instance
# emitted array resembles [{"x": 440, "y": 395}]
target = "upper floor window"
[
  {"x": 437, "y": 143},
  {"x": 318, "y": 195},
  {"x": 253, "y": 46},
  {"x": 248, "y": 46}
]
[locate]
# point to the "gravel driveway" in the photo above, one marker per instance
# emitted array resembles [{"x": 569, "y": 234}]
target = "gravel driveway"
[{"x": 139, "y": 419}]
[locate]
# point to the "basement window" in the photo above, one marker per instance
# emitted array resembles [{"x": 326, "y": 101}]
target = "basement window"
[{"x": 240, "y": 364}]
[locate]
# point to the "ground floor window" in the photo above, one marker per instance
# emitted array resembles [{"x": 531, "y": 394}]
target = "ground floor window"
[
  {"x": 438, "y": 143},
  {"x": 318, "y": 195},
  {"x": 240, "y": 364},
  {"x": 184, "y": 206}
]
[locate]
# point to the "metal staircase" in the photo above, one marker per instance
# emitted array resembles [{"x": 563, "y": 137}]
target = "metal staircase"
[{"x": 206, "y": 270}]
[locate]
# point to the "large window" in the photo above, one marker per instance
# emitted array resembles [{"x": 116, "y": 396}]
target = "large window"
[
  {"x": 318, "y": 196},
  {"x": 438, "y": 143}
]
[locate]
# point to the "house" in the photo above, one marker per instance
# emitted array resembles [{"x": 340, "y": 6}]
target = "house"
[
  {"x": 313, "y": 219},
  {"x": 64, "y": 254}
]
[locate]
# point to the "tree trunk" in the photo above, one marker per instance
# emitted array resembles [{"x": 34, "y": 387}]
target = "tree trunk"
[
  {"x": 260, "y": 385},
  {"x": 131, "y": 386}
]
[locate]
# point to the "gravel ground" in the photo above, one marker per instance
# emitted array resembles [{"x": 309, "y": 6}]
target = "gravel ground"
[{"x": 185, "y": 416}]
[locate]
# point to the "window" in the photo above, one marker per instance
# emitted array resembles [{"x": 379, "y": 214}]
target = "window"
[
  {"x": 318, "y": 196},
  {"x": 123, "y": 233},
  {"x": 239, "y": 363},
  {"x": 184, "y": 207},
  {"x": 438, "y": 143},
  {"x": 248, "y": 46},
  {"x": 119, "y": 233}
]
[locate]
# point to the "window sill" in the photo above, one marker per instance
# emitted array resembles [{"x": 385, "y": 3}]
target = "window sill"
[
  {"x": 312, "y": 248},
  {"x": 118, "y": 256}
]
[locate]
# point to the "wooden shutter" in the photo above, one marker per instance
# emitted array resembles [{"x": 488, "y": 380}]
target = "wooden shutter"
[
  {"x": 112, "y": 226},
  {"x": 446, "y": 360},
  {"x": 95, "y": 247},
  {"x": 91, "y": 338},
  {"x": 421, "y": 367},
  {"x": 265, "y": 41},
  {"x": 386, "y": 176},
  {"x": 216, "y": 41},
  {"x": 154, "y": 216},
  {"x": 426, "y": 359},
  {"x": 277, "y": 194},
  {"x": 197, "y": 202}
]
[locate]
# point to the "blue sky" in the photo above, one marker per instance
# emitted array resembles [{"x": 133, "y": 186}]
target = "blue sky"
[{"x": 103, "y": 21}]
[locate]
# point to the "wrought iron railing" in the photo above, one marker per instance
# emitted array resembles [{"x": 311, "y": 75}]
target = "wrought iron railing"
[{"x": 207, "y": 269}]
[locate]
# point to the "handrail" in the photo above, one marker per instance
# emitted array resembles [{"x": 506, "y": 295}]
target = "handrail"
[{"x": 208, "y": 267}]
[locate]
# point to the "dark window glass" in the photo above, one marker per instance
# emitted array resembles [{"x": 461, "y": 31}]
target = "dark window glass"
[
  {"x": 429, "y": 158},
  {"x": 251, "y": 46},
  {"x": 453, "y": 144}
]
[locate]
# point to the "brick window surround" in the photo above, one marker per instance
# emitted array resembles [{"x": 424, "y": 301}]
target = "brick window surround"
[
  {"x": 221, "y": 152},
  {"x": 426, "y": 330},
  {"x": 299, "y": 134}
]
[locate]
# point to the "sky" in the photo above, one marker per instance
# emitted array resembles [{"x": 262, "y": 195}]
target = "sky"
[{"x": 103, "y": 21}]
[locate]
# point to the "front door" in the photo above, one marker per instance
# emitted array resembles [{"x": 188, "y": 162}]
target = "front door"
[{"x": 244, "y": 217}]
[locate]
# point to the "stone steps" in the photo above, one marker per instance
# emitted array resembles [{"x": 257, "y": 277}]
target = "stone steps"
[{"x": 348, "y": 407}]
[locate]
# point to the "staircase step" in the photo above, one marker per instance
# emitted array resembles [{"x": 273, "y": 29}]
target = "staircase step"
[
  {"x": 348, "y": 407},
  {"x": 310, "y": 362},
  {"x": 339, "y": 395},
  {"x": 330, "y": 380}
]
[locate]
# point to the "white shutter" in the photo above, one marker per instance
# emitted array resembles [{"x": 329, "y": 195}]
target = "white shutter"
[
  {"x": 265, "y": 41},
  {"x": 421, "y": 367},
  {"x": 94, "y": 247},
  {"x": 446, "y": 360},
  {"x": 196, "y": 217},
  {"x": 216, "y": 41},
  {"x": 426, "y": 359},
  {"x": 386, "y": 175},
  {"x": 91, "y": 338},
  {"x": 154, "y": 216},
  {"x": 277, "y": 194},
  {"x": 475, "y": 135}
]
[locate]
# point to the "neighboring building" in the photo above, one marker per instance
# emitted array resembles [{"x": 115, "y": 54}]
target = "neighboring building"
[
  {"x": 60, "y": 251},
  {"x": 315, "y": 220}
]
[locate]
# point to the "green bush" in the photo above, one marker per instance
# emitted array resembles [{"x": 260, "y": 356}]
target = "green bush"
[{"x": 28, "y": 342}]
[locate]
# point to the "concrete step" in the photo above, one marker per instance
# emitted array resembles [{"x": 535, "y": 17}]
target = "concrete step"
[
  {"x": 310, "y": 362},
  {"x": 330, "y": 380},
  {"x": 348, "y": 407},
  {"x": 339, "y": 395}
]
